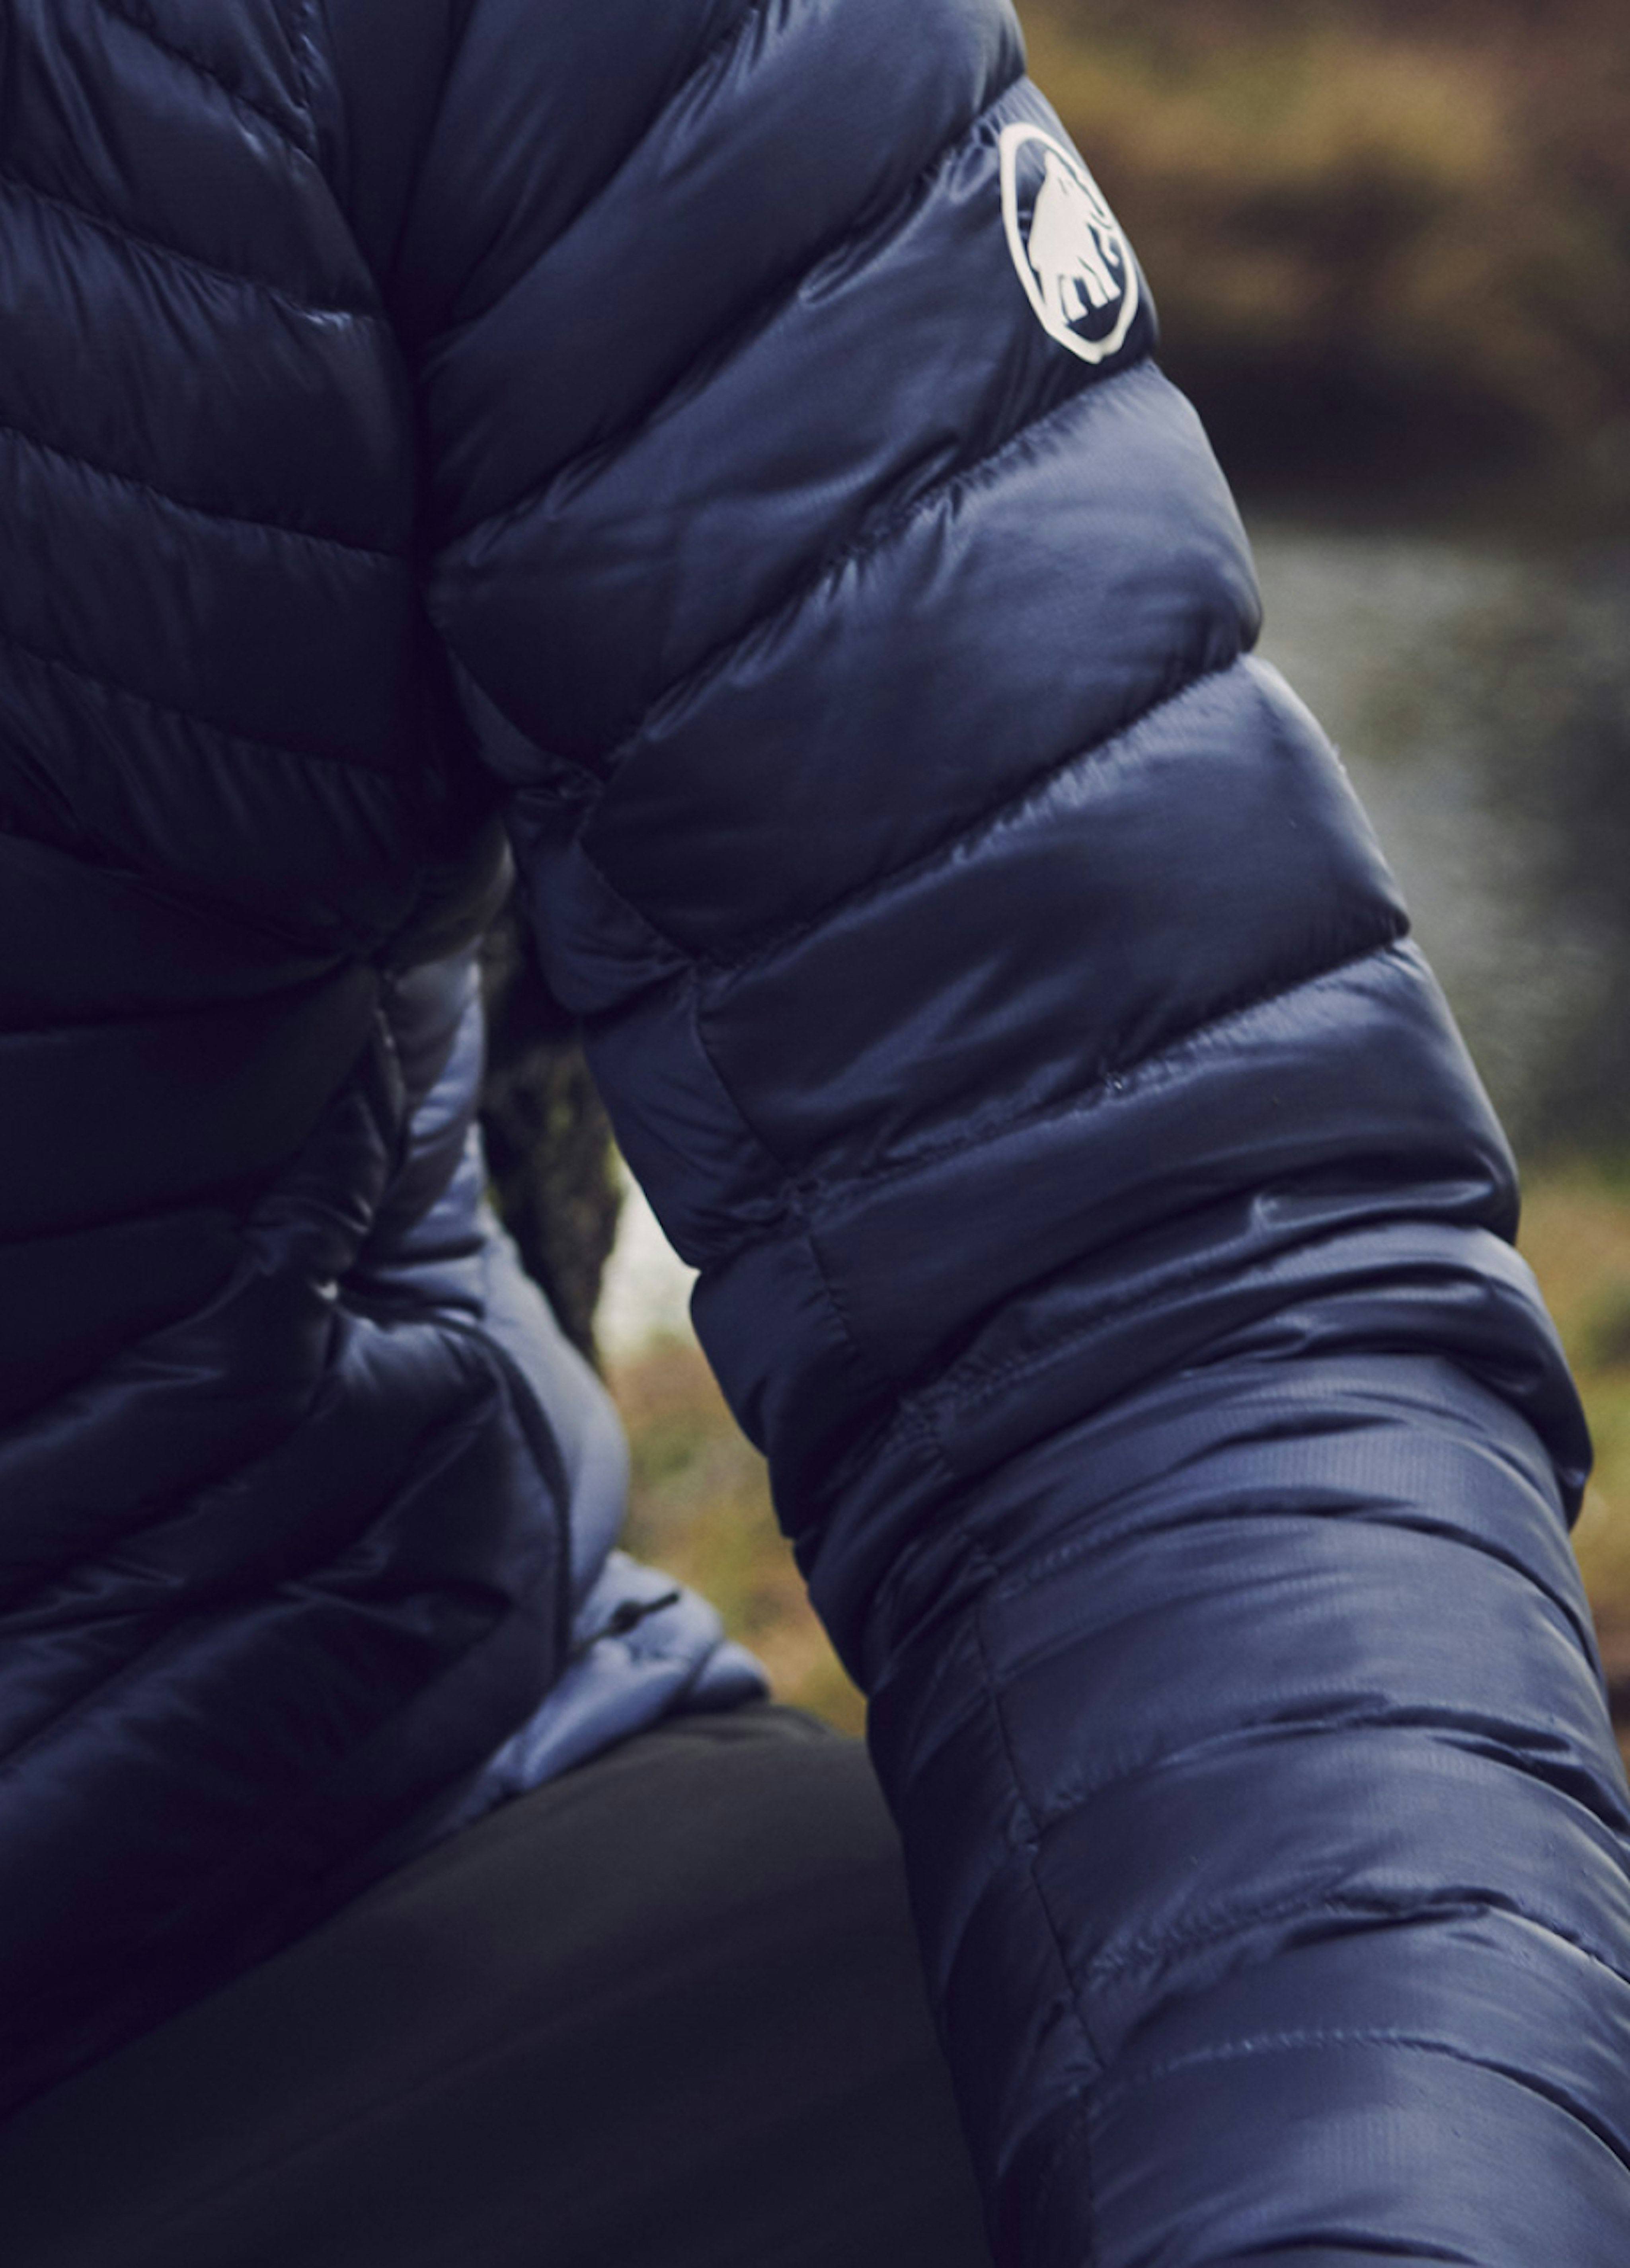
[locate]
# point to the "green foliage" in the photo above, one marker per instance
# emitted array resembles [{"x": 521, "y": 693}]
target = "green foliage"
[
  {"x": 1576, "y": 1238},
  {"x": 699, "y": 1506}
]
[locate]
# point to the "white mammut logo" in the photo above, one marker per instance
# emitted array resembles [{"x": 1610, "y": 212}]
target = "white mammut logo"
[{"x": 1073, "y": 259}]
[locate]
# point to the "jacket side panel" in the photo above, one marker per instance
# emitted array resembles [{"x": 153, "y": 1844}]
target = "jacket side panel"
[{"x": 281, "y": 1563}]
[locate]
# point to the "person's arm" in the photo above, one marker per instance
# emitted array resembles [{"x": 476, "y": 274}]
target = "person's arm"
[{"x": 1000, "y": 996}]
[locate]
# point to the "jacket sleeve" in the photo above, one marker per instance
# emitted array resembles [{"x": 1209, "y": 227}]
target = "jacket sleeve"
[{"x": 1003, "y": 1000}]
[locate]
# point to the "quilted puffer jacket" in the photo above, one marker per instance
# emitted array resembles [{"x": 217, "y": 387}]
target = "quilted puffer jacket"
[{"x": 719, "y": 443}]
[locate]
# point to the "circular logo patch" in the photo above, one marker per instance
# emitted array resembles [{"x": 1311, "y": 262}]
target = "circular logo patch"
[{"x": 1073, "y": 262}]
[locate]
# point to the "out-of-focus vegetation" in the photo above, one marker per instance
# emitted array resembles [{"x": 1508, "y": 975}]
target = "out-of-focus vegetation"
[
  {"x": 700, "y": 1506},
  {"x": 1576, "y": 1237},
  {"x": 1389, "y": 237}
]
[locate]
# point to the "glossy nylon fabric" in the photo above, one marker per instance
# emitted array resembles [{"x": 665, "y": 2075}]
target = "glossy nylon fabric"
[{"x": 996, "y": 987}]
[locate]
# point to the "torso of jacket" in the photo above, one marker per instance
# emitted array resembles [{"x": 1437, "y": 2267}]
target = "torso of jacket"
[{"x": 718, "y": 445}]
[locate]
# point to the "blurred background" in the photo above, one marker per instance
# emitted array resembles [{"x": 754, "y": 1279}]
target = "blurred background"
[{"x": 1390, "y": 240}]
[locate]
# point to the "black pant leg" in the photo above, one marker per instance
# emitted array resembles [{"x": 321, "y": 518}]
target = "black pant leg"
[{"x": 665, "y": 2012}]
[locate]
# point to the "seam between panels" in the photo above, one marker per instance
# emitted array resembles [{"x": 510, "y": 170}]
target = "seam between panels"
[
  {"x": 1073, "y": 1993},
  {"x": 975, "y": 1386},
  {"x": 907, "y": 1429},
  {"x": 713, "y": 356},
  {"x": 301, "y": 29},
  {"x": 1013, "y": 801},
  {"x": 86, "y": 217},
  {"x": 1026, "y": 1816},
  {"x": 978, "y": 1386},
  {"x": 792, "y": 1208},
  {"x": 1287, "y": 2042},
  {"x": 919, "y": 1405},
  {"x": 906, "y": 1422},
  {"x": 792, "y": 1212},
  {"x": 1441, "y": 1729},
  {"x": 1030, "y": 1827},
  {"x": 280, "y": 529},
  {"x": 229, "y": 738},
  {"x": 864, "y": 544},
  {"x": 1366, "y": 2036},
  {"x": 1141, "y": 1953},
  {"x": 1111, "y": 1083},
  {"x": 824, "y": 1275},
  {"x": 915, "y": 1414},
  {"x": 136, "y": 18}
]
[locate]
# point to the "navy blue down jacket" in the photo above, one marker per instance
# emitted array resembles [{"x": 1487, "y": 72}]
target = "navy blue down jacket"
[{"x": 719, "y": 443}]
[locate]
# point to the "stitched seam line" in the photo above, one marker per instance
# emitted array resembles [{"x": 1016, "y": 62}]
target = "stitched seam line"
[
  {"x": 792, "y": 1211},
  {"x": 981, "y": 1559},
  {"x": 758, "y": 321},
  {"x": 1443, "y": 1729},
  {"x": 1074, "y": 1997},
  {"x": 1144, "y": 1953},
  {"x": 302, "y": 37},
  {"x": 975, "y": 1385},
  {"x": 145, "y": 28},
  {"x": 1014, "y": 799},
  {"x": 212, "y": 513},
  {"x": 223, "y": 734},
  {"x": 1060, "y": 1112},
  {"x": 840, "y": 1308},
  {"x": 906, "y": 1428},
  {"x": 865, "y": 545},
  {"x": 954, "y": 1384},
  {"x": 107, "y": 226},
  {"x": 1362, "y": 2036}
]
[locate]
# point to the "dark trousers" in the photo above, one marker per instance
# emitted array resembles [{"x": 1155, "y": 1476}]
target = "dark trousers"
[{"x": 665, "y": 2012}]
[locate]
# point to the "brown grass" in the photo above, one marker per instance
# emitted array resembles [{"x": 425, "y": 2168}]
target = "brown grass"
[{"x": 700, "y": 1506}]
